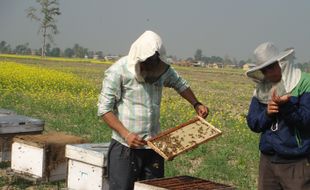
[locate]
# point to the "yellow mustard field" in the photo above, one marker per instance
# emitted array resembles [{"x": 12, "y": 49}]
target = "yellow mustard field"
[{"x": 65, "y": 95}]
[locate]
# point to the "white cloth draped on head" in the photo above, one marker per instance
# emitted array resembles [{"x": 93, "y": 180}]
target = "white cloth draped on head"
[
  {"x": 266, "y": 54},
  {"x": 144, "y": 47}
]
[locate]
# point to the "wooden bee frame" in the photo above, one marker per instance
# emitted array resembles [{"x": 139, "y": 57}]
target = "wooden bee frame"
[{"x": 183, "y": 138}]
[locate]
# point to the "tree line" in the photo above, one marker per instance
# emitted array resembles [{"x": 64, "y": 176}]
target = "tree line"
[
  {"x": 79, "y": 51},
  {"x": 198, "y": 56},
  {"x": 75, "y": 51}
]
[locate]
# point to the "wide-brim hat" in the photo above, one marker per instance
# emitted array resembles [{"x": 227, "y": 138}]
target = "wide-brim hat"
[{"x": 266, "y": 54}]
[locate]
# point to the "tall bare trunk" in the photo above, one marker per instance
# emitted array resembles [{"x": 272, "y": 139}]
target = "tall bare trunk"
[{"x": 44, "y": 39}]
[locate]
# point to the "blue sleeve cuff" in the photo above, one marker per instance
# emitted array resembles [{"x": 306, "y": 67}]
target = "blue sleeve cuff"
[{"x": 287, "y": 108}]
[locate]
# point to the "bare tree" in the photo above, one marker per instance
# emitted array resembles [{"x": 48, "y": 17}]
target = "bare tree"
[{"x": 45, "y": 15}]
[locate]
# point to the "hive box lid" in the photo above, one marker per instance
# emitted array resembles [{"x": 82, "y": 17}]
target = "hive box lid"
[
  {"x": 183, "y": 138},
  {"x": 52, "y": 140},
  {"x": 6, "y": 112},
  {"x": 95, "y": 154},
  {"x": 180, "y": 183},
  {"x": 19, "y": 124}
]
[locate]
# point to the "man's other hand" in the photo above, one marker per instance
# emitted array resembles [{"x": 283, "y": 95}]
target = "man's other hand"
[
  {"x": 134, "y": 141},
  {"x": 202, "y": 110}
]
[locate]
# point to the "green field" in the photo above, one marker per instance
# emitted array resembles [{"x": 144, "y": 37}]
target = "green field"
[{"x": 64, "y": 93}]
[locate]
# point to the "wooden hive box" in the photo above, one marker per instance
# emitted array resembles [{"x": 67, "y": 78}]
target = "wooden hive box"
[
  {"x": 41, "y": 157},
  {"x": 180, "y": 183},
  {"x": 12, "y": 125},
  {"x": 87, "y": 166},
  {"x": 182, "y": 138}
]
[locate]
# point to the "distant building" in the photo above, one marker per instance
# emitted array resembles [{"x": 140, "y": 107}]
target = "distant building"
[
  {"x": 33, "y": 52},
  {"x": 199, "y": 64},
  {"x": 248, "y": 66},
  {"x": 183, "y": 63},
  {"x": 111, "y": 57},
  {"x": 170, "y": 60},
  {"x": 215, "y": 65},
  {"x": 231, "y": 66}
]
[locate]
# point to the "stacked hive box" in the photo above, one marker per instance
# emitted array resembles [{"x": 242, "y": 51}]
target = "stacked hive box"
[
  {"x": 12, "y": 125},
  {"x": 41, "y": 157},
  {"x": 180, "y": 183},
  {"x": 4, "y": 147},
  {"x": 87, "y": 166}
]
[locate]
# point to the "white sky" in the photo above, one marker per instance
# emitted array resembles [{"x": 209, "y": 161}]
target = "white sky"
[{"x": 218, "y": 27}]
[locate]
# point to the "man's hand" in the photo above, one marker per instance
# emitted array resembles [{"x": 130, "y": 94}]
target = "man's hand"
[
  {"x": 275, "y": 102},
  {"x": 134, "y": 141},
  {"x": 279, "y": 100},
  {"x": 202, "y": 110},
  {"x": 272, "y": 108}
]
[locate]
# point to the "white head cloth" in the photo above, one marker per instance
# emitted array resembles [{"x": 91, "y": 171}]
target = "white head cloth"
[{"x": 144, "y": 47}]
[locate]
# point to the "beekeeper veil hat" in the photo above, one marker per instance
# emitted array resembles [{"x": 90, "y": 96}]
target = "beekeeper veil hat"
[
  {"x": 144, "y": 47},
  {"x": 266, "y": 54}
]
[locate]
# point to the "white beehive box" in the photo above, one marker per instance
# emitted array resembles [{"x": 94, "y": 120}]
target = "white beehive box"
[
  {"x": 41, "y": 157},
  {"x": 87, "y": 166},
  {"x": 12, "y": 125}
]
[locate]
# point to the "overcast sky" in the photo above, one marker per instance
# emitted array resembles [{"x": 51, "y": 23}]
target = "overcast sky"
[{"x": 218, "y": 27}]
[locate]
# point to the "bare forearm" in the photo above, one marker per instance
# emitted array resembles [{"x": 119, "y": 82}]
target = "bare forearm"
[
  {"x": 114, "y": 123},
  {"x": 200, "y": 109},
  {"x": 189, "y": 96}
]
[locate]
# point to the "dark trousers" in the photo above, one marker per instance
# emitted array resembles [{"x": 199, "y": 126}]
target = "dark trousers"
[
  {"x": 127, "y": 165},
  {"x": 290, "y": 176}
]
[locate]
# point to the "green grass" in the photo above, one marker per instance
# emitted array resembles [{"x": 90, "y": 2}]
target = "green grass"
[{"x": 231, "y": 158}]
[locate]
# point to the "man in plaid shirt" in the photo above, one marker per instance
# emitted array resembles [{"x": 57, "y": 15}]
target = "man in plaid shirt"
[{"x": 129, "y": 103}]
